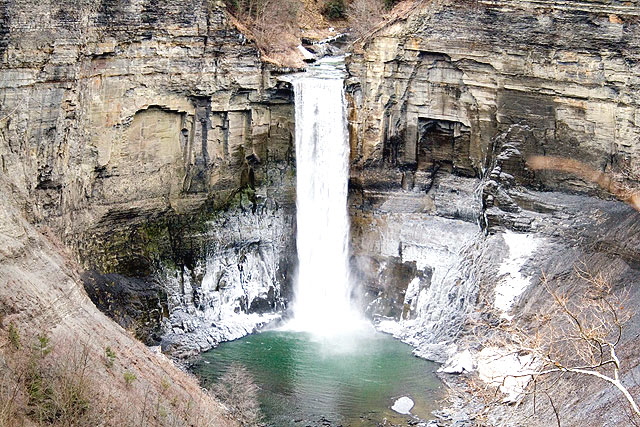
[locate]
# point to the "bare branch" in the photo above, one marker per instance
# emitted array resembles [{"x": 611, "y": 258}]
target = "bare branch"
[
  {"x": 577, "y": 333},
  {"x": 555, "y": 411}
]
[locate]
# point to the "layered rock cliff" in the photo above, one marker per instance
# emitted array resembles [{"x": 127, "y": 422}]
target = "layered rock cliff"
[
  {"x": 133, "y": 129},
  {"x": 150, "y": 142},
  {"x": 448, "y": 101},
  {"x": 150, "y": 138}
]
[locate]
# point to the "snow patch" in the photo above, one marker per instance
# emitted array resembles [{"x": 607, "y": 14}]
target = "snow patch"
[
  {"x": 514, "y": 283},
  {"x": 305, "y": 53},
  {"x": 390, "y": 326},
  {"x": 459, "y": 363},
  {"x": 505, "y": 369}
]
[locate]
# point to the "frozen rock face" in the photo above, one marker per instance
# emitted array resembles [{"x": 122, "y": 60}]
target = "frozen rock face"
[
  {"x": 449, "y": 100},
  {"x": 132, "y": 129},
  {"x": 450, "y": 228},
  {"x": 414, "y": 267},
  {"x": 242, "y": 283}
]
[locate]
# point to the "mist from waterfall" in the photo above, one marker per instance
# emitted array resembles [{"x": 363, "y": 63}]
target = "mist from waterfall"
[{"x": 322, "y": 301}]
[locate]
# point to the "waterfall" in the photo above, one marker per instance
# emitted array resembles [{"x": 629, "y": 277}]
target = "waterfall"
[{"x": 322, "y": 301}]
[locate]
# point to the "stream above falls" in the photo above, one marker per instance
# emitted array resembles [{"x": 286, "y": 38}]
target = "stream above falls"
[{"x": 352, "y": 380}]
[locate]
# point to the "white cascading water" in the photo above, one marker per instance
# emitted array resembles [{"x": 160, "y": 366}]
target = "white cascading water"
[{"x": 322, "y": 302}]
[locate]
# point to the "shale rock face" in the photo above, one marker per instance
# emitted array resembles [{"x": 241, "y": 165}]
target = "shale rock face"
[
  {"x": 435, "y": 88},
  {"x": 447, "y": 102},
  {"x": 133, "y": 128}
]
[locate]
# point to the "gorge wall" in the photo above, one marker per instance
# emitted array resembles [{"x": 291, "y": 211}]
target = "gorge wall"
[
  {"x": 451, "y": 228},
  {"x": 140, "y": 132},
  {"x": 152, "y": 140}
]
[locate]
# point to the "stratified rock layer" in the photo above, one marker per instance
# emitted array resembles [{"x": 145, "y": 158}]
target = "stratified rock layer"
[
  {"x": 134, "y": 128},
  {"x": 434, "y": 89},
  {"x": 447, "y": 102},
  {"x": 154, "y": 141}
]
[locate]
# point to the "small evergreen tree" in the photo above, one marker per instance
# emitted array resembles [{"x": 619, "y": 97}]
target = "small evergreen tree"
[{"x": 334, "y": 9}]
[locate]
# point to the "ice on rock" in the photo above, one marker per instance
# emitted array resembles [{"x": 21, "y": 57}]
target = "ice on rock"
[
  {"x": 403, "y": 405},
  {"x": 513, "y": 283},
  {"x": 506, "y": 369},
  {"x": 442, "y": 246},
  {"x": 213, "y": 302},
  {"x": 459, "y": 363}
]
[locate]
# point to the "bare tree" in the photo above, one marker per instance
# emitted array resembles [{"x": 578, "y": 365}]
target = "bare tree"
[
  {"x": 238, "y": 391},
  {"x": 273, "y": 23},
  {"x": 578, "y": 333},
  {"x": 364, "y": 15}
]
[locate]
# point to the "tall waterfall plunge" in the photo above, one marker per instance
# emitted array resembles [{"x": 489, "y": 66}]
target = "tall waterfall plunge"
[{"x": 322, "y": 302}]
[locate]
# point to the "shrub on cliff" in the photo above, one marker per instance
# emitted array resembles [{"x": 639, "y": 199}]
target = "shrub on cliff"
[
  {"x": 334, "y": 9},
  {"x": 47, "y": 388}
]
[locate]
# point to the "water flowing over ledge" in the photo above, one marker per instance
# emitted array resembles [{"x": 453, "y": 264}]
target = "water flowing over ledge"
[{"x": 322, "y": 302}]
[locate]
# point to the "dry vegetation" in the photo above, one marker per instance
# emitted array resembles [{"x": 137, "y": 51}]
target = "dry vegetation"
[
  {"x": 621, "y": 183},
  {"x": 238, "y": 391},
  {"x": 578, "y": 333},
  {"x": 277, "y": 26},
  {"x": 62, "y": 383},
  {"x": 365, "y": 15},
  {"x": 64, "y": 363},
  {"x": 274, "y": 25}
]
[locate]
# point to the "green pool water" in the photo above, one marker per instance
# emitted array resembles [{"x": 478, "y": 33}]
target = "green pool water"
[{"x": 349, "y": 381}]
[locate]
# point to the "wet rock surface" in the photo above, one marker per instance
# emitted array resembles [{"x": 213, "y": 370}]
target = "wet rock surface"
[{"x": 139, "y": 305}]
